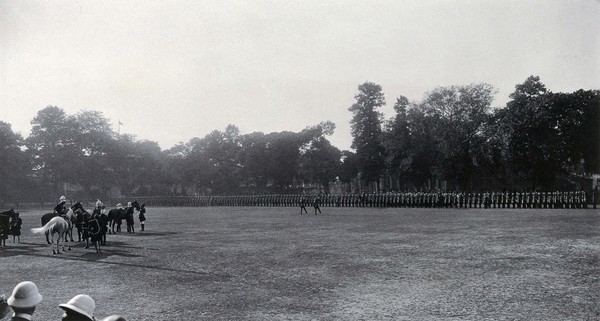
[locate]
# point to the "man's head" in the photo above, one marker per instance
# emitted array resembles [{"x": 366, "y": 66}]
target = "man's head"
[
  {"x": 25, "y": 296},
  {"x": 63, "y": 199},
  {"x": 80, "y": 307}
]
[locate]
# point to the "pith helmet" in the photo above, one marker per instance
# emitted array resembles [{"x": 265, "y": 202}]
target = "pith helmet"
[
  {"x": 114, "y": 317},
  {"x": 25, "y": 295},
  {"x": 82, "y": 304},
  {"x": 63, "y": 199}
]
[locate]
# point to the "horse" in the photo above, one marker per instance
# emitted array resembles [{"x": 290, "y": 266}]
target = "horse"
[
  {"x": 85, "y": 219},
  {"x": 5, "y": 218},
  {"x": 58, "y": 225},
  {"x": 48, "y": 216},
  {"x": 117, "y": 215},
  {"x": 81, "y": 223},
  {"x": 81, "y": 217}
]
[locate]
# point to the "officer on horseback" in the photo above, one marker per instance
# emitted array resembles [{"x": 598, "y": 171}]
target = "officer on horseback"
[{"x": 61, "y": 207}]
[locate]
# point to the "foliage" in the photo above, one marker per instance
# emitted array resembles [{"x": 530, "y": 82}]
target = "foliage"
[
  {"x": 451, "y": 135},
  {"x": 14, "y": 169},
  {"x": 366, "y": 131}
]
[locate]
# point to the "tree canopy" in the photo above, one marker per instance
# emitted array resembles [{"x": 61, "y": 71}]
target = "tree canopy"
[{"x": 453, "y": 135}]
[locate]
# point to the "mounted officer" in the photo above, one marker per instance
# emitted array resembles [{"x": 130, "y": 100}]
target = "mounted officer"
[{"x": 61, "y": 207}]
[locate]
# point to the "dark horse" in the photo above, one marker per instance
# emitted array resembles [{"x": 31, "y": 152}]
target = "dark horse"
[
  {"x": 48, "y": 216},
  {"x": 81, "y": 218},
  {"x": 5, "y": 218},
  {"x": 117, "y": 215}
]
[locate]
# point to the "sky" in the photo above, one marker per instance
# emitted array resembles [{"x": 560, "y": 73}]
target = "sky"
[{"x": 170, "y": 71}]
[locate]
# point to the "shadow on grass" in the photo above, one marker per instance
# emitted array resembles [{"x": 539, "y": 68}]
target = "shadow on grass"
[
  {"x": 23, "y": 248},
  {"x": 140, "y": 233},
  {"x": 146, "y": 233},
  {"x": 90, "y": 255},
  {"x": 119, "y": 244}
]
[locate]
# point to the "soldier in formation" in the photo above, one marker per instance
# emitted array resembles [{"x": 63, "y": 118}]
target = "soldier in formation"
[{"x": 408, "y": 199}]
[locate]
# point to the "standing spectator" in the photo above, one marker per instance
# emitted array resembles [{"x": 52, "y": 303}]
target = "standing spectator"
[
  {"x": 15, "y": 227},
  {"x": 80, "y": 308},
  {"x": 142, "y": 215},
  {"x": 95, "y": 232},
  {"x": 24, "y": 300},
  {"x": 129, "y": 218},
  {"x": 316, "y": 205}
]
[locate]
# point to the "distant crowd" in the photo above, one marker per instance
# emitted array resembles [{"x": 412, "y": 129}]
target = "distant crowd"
[
  {"x": 558, "y": 199},
  {"x": 25, "y": 298}
]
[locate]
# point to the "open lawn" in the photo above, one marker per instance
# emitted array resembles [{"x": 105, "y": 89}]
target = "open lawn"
[{"x": 270, "y": 263}]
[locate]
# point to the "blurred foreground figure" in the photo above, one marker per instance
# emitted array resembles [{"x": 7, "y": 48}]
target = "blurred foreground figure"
[
  {"x": 24, "y": 300},
  {"x": 114, "y": 317},
  {"x": 80, "y": 308}
]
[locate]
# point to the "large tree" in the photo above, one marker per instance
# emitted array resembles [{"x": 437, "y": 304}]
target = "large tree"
[
  {"x": 460, "y": 113},
  {"x": 254, "y": 159},
  {"x": 14, "y": 165},
  {"x": 366, "y": 131},
  {"x": 283, "y": 150},
  {"x": 222, "y": 149},
  {"x": 320, "y": 161},
  {"x": 53, "y": 147},
  {"x": 396, "y": 139},
  {"x": 534, "y": 147},
  {"x": 93, "y": 135},
  {"x": 575, "y": 118}
]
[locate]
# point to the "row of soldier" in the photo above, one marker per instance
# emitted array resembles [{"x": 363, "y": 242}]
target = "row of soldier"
[{"x": 559, "y": 199}]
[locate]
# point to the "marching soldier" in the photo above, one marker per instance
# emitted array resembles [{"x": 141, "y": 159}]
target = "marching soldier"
[
  {"x": 316, "y": 204},
  {"x": 303, "y": 205}
]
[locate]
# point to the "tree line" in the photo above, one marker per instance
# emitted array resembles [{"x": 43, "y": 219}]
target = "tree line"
[{"x": 453, "y": 135}]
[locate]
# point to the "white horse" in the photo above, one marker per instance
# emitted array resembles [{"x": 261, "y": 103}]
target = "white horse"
[{"x": 59, "y": 225}]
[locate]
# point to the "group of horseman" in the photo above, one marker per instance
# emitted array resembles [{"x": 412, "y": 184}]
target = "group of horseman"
[
  {"x": 93, "y": 227},
  {"x": 90, "y": 226}
]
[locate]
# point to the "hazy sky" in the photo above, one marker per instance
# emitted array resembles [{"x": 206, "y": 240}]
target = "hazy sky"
[{"x": 174, "y": 70}]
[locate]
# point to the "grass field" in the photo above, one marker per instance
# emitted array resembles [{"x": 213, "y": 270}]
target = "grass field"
[{"x": 270, "y": 263}]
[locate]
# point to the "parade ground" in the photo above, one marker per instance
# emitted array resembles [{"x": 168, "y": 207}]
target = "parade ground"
[{"x": 271, "y": 263}]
